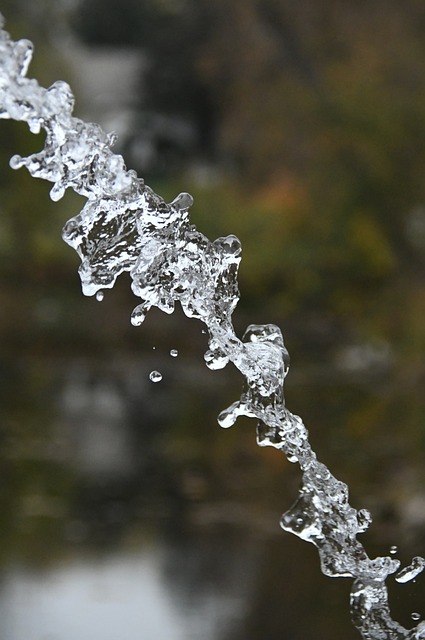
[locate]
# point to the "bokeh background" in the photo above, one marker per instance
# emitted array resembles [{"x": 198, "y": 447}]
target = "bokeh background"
[{"x": 125, "y": 511}]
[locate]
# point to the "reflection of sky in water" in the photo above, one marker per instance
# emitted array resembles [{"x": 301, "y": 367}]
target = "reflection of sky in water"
[
  {"x": 119, "y": 597},
  {"x": 119, "y": 456}
]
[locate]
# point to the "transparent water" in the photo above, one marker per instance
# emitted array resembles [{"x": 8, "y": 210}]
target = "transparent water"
[{"x": 126, "y": 227}]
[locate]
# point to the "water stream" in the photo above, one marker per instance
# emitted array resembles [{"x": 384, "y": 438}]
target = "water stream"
[{"x": 126, "y": 227}]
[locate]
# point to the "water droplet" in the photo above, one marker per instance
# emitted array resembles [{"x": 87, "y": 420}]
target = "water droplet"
[
  {"x": 415, "y": 616},
  {"x": 414, "y": 569},
  {"x": 34, "y": 126},
  {"x": 99, "y": 296},
  {"x": 227, "y": 417},
  {"x": 231, "y": 245},
  {"x": 215, "y": 359},
  {"x": 393, "y": 549},
  {"x": 57, "y": 192},
  {"x": 174, "y": 353},
  {"x": 155, "y": 376},
  {"x": 182, "y": 202},
  {"x": 16, "y": 162},
  {"x": 138, "y": 315}
]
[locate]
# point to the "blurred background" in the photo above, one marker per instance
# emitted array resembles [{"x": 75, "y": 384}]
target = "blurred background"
[{"x": 126, "y": 512}]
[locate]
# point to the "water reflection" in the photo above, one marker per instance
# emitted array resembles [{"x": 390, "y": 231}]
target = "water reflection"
[
  {"x": 127, "y": 513},
  {"x": 115, "y": 597},
  {"x": 122, "y": 595},
  {"x": 95, "y": 424}
]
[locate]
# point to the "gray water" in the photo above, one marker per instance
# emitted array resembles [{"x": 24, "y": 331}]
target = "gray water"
[{"x": 118, "y": 522}]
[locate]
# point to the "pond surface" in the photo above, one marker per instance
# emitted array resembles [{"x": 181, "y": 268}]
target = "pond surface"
[
  {"x": 125, "y": 594},
  {"x": 128, "y": 513}
]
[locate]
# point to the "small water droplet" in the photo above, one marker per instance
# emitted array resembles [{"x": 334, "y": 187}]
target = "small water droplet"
[
  {"x": 410, "y": 572},
  {"x": 57, "y": 191},
  {"x": 393, "y": 549},
  {"x": 227, "y": 417},
  {"x": 99, "y": 296},
  {"x": 138, "y": 315},
  {"x": 155, "y": 376},
  {"x": 415, "y": 616},
  {"x": 182, "y": 202},
  {"x": 174, "y": 353},
  {"x": 215, "y": 359},
  {"x": 16, "y": 161}
]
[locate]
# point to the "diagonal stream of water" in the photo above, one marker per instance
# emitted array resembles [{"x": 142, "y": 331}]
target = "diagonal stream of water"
[{"x": 125, "y": 226}]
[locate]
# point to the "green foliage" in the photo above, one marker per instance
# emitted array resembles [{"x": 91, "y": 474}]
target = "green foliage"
[
  {"x": 311, "y": 124},
  {"x": 311, "y": 121}
]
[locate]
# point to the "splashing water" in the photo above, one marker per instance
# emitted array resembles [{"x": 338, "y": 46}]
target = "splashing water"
[
  {"x": 125, "y": 226},
  {"x": 414, "y": 569}
]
